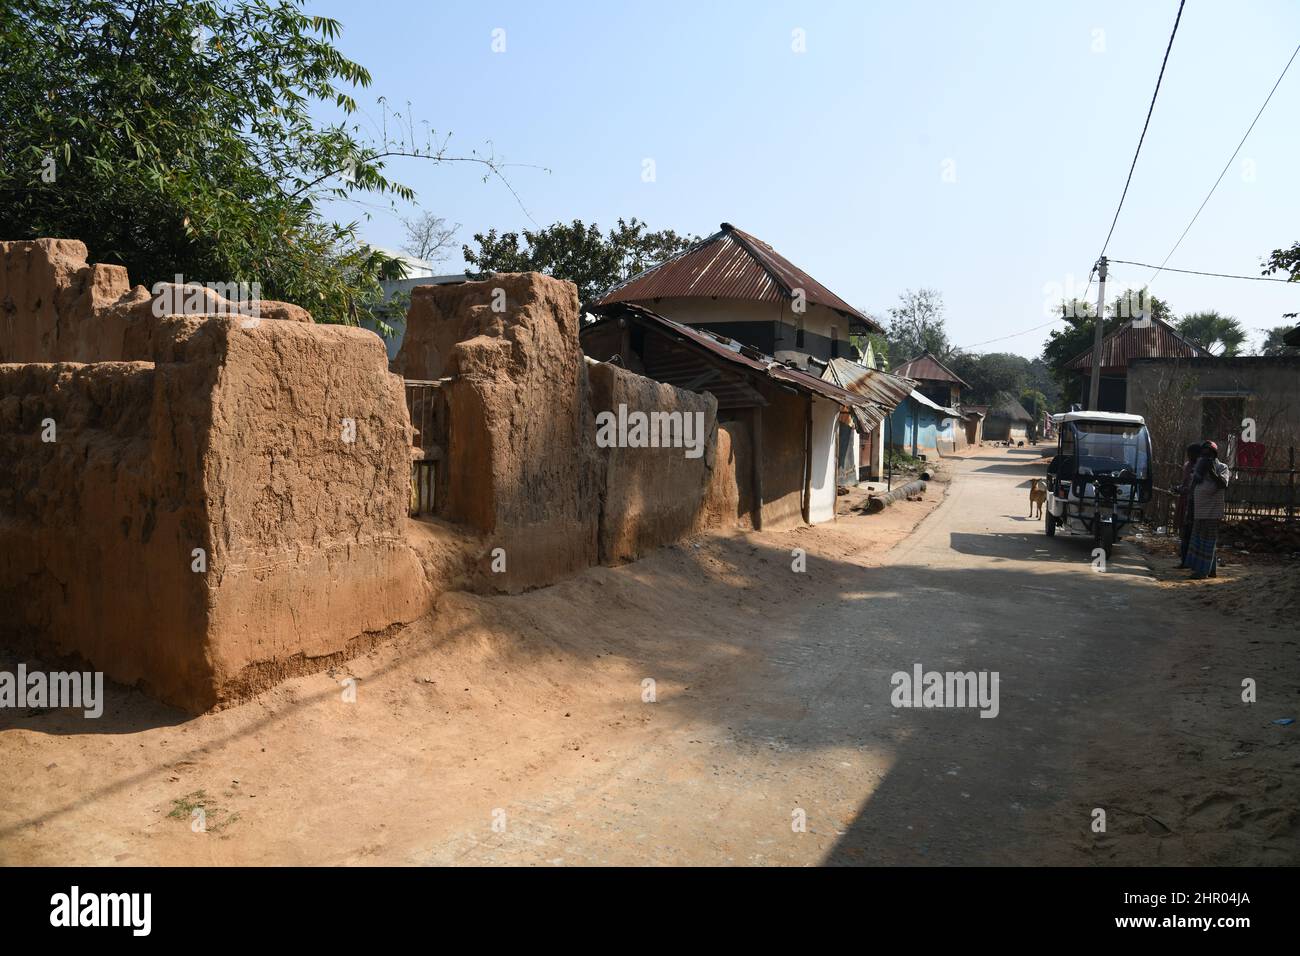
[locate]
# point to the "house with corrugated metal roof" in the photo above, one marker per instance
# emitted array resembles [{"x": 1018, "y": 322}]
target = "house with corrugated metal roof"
[
  {"x": 934, "y": 380},
  {"x": 1137, "y": 338},
  {"x": 784, "y": 423},
  {"x": 737, "y": 285},
  {"x": 861, "y": 453}
]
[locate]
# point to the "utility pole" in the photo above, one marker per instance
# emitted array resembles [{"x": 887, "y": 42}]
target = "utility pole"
[{"x": 1094, "y": 383}]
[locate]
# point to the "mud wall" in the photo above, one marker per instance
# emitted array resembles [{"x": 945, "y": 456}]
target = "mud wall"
[
  {"x": 97, "y": 524},
  {"x": 520, "y": 463},
  {"x": 654, "y": 496},
  {"x": 277, "y": 449}
]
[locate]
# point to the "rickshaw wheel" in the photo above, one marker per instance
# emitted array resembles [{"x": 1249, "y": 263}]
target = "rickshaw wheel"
[{"x": 1049, "y": 523}]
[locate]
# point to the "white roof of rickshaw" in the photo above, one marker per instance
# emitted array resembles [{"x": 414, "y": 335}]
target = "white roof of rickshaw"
[{"x": 1115, "y": 418}]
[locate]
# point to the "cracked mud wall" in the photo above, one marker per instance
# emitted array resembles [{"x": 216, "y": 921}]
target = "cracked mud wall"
[
  {"x": 520, "y": 461},
  {"x": 655, "y": 496}
]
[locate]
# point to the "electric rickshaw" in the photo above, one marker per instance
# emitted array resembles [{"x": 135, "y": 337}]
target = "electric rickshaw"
[{"x": 1100, "y": 479}]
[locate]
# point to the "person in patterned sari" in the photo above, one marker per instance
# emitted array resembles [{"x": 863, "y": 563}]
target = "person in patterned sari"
[{"x": 1209, "y": 486}]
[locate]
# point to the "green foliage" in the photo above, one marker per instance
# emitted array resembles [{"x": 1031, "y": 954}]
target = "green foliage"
[
  {"x": 179, "y": 140},
  {"x": 1065, "y": 344},
  {"x": 917, "y": 325},
  {"x": 1221, "y": 334},
  {"x": 1273, "y": 344},
  {"x": 1284, "y": 260},
  {"x": 581, "y": 253}
]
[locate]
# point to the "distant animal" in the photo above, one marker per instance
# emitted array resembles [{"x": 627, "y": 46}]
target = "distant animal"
[{"x": 1037, "y": 496}]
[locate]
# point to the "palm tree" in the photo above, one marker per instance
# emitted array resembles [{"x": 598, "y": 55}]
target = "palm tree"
[{"x": 1221, "y": 334}]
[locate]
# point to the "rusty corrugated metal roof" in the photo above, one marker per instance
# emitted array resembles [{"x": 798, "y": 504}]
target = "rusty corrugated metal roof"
[
  {"x": 1157, "y": 340},
  {"x": 731, "y": 264},
  {"x": 732, "y": 351},
  {"x": 883, "y": 390},
  {"x": 926, "y": 367}
]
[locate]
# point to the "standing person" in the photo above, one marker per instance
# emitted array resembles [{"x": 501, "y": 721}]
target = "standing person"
[
  {"x": 1183, "y": 509},
  {"x": 1209, "y": 483}
]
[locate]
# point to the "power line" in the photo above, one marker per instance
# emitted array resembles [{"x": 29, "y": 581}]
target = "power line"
[
  {"x": 1150, "y": 110},
  {"x": 1013, "y": 335},
  {"x": 1225, "y": 167},
  {"x": 1194, "y": 272}
]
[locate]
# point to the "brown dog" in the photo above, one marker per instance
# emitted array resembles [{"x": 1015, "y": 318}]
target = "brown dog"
[{"x": 1037, "y": 496}]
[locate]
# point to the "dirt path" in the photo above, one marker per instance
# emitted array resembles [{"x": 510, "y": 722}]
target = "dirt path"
[{"x": 514, "y": 730}]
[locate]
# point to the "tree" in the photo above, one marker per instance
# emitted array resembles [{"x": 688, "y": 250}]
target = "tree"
[
  {"x": 179, "y": 138},
  {"x": 580, "y": 253},
  {"x": 990, "y": 373},
  {"x": 1273, "y": 344},
  {"x": 1221, "y": 334},
  {"x": 428, "y": 237},
  {"x": 1284, "y": 260},
  {"x": 1063, "y": 345},
  {"x": 917, "y": 325}
]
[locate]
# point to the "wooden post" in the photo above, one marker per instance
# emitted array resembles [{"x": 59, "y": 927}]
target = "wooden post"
[
  {"x": 756, "y": 449},
  {"x": 1290, "y": 486}
]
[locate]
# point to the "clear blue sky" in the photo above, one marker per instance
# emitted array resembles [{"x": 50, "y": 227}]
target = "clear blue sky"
[{"x": 836, "y": 155}]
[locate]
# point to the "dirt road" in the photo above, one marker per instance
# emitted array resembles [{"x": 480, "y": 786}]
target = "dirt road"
[{"x": 520, "y": 730}]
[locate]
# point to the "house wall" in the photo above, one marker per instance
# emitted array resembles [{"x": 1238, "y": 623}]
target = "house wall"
[
  {"x": 821, "y": 495},
  {"x": 784, "y": 429},
  {"x": 1172, "y": 395},
  {"x": 920, "y": 430},
  {"x": 654, "y": 496}
]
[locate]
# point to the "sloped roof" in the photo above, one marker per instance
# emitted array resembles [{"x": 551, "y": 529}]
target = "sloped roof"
[
  {"x": 926, "y": 367},
  {"x": 1292, "y": 337},
  {"x": 731, "y": 351},
  {"x": 883, "y": 390},
  {"x": 1155, "y": 340},
  {"x": 1005, "y": 405},
  {"x": 731, "y": 264}
]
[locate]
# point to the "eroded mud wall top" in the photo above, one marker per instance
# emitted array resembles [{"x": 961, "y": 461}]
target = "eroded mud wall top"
[
  {"x": 520, "y": 448},
  {"x": 56, "y": 307}
]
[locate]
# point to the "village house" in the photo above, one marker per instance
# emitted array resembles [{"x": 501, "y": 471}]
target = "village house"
[
  {"x": 923, "y": 428},
  {"x": 736, "y": 285},
  {"x": 784, "y": 422},
  {"x": 1136, "y": 338},
  {"x": 862, "y": 456},
  {"x": 934, "y": 380},
  {"x": 1005, "y": 419}
]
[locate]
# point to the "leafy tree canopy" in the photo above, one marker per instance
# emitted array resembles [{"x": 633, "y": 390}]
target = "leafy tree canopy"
[
  {"x": 1221, "y": 334},
  {"x": 1064, "y": 344},
  {"x": 579, "y": 252},
  {"x": 177, "y": 138},
  {"x": 1273, "y": 344},
  {"x": 916, "y": 325}
]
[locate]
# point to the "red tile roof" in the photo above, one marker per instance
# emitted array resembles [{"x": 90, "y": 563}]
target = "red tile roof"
[
  {"x": 1156, "y": 340},
  {"x": 731, "y": 264}
]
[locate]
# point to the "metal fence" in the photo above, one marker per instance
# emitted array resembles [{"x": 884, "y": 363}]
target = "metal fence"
[{"x": 1251, "y": 493}]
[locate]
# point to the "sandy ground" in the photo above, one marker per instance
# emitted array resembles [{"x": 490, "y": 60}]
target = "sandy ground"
[{"x": 517, "y": 730}]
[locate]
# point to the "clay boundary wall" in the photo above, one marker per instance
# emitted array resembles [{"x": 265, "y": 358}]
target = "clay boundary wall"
[{"x": 222, "y": 504}]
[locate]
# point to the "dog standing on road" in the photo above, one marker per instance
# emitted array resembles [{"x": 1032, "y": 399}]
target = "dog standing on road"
[{"x": 1037, "y": 496}]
